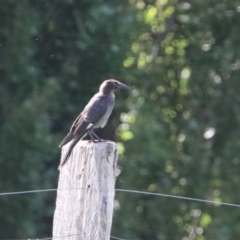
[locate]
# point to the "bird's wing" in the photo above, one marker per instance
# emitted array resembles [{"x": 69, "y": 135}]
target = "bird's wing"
[
  {"x": 94, "y": 110},
  {"x": 78, "y": 128},
  {"x": 66, "y": 139}
]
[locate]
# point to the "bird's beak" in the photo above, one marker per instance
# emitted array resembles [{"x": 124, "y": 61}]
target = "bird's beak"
[{"x": 121, "y": 85}]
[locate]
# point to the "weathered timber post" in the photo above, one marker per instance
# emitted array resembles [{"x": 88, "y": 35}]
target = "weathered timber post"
[{"x": 85, "y": 195}]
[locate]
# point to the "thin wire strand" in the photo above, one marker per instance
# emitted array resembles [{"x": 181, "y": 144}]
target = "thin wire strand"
[
  {"x": 77, "y": 234},
  {"x": 38, "y": 191},
  {"x": 117, "y": 238},
  {"x": 26, "y": 192},
  {"x": 50, "y": 238},
  {"x": 128, "y": 191},
  {"x": 179, "y": 197}
]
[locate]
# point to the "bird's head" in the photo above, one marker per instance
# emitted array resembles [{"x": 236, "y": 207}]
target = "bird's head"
[{"x": 111, "y": 85}]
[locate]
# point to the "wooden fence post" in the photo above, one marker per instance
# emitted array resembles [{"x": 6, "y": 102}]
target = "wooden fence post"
[{"x": 85, "y": 195}]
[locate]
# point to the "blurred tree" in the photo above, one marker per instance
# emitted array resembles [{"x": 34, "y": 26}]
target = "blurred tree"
[
  {"x": 183, "y": 122},
  {"x": 180, "y": 135}
]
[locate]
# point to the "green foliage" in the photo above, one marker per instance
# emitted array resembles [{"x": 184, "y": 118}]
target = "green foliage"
[
  {"x": 179, "y": 134},
  {"x": 186, "y": 110}
]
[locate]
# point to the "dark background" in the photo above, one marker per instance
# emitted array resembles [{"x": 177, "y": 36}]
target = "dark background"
[{"x": 177, "y": 131}]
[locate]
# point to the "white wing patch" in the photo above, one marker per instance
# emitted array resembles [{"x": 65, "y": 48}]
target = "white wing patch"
[{"x": 89, "y": 126}]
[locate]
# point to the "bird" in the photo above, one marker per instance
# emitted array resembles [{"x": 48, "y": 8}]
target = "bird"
[{"x": 94, "y": 115}]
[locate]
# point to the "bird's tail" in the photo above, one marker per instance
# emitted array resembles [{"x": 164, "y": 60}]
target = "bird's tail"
[
  {"x": 68, "y": 153},
  {"x": 67, "y": 139}
]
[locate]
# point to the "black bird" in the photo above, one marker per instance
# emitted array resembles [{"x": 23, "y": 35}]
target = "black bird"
[{"x": 94, "y": 115}]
